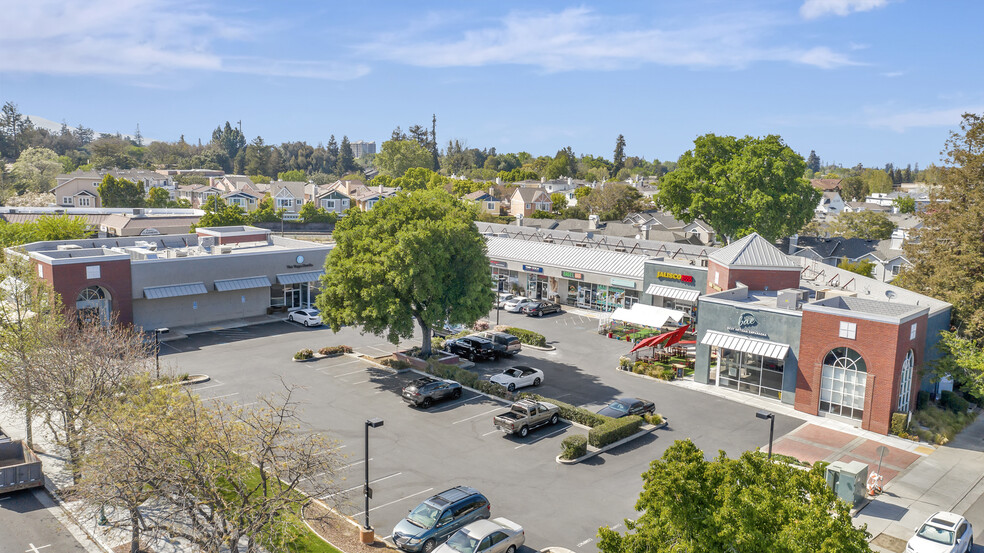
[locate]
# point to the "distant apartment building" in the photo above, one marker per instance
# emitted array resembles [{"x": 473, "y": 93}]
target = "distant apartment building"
[{"x": 361, "y": 148}]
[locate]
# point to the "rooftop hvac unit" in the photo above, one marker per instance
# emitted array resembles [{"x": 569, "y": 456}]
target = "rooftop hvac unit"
[
  {"x": 180, "y": 253},
  {"x": 152, "y": 246},
  {"x": 64, "y": 247},
  {"x": 225, "y": 249},
  {"x": 829, "y": 293},
  {"x": 791, "y": 298}
]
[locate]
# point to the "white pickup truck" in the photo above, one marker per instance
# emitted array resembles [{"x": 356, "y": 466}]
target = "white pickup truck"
[{"x": 525, "y": 415}]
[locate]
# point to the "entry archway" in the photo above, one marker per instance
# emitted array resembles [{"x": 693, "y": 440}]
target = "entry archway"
[
  {"x": 94, "y": 304},
  {"x": 842, "y": 383}
]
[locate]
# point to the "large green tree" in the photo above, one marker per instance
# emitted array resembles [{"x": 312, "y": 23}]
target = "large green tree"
[
  {"x": 35, "y": 170},
  {"x": 744, "y": 505},
  {"x": 866, "y": 225},
  {"x": 854, "y": 189},
  {"x": 396, "y": 156},
  {"x": 416, "y": 258},
  {"x": 612, "y": 201},
  {"x": 116, "y": 192},
  {"x": 220, "y": 214},
  {"x": 740, "y": 186},
  {"x": 158, "y": 197}
]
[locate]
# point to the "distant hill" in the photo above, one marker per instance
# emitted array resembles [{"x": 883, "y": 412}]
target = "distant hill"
[{"x": 51, "y": 126}]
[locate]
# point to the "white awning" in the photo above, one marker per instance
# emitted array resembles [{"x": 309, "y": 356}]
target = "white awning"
[
  {"x": 672, "y": 293},
  {"x": 173, "y": 291},
  {"x": 646, "y": 315},
  {"x": 297, "y": 278},
  {"x": 764, "y": 348},
  {"x": 230, "y": 284}
]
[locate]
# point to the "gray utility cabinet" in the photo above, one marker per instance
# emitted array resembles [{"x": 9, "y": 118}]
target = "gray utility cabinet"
[
  {"x": 20, "y": 468},
  {"x": 848, "y": 480}
]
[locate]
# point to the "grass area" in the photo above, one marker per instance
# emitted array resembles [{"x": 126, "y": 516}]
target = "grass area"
[{"x": 939, "y": 425}]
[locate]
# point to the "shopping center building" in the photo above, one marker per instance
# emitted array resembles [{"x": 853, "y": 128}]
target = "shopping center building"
[{"x": 216, "y": 274}]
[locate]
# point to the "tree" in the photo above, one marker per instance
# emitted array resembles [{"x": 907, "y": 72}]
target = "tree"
[
  {"x": 559, "y": 200},
  {"x": 582, "y": 192},
  {"x": 265, "y": 212},
  {"x": 905, "y": 204},
  {"x": 854, "y": 188},
  {"x": 739, "y": 186},
  {"x": 962, "y": 360},
  {"x": 612, "y": 201},
  {"x": 35, "y": 170},
  {"x": 768, "y": 507},
  {"x": 618, "y": 159},
  {"x": 46, "y": 227},
  {"x": 346, "y": 161},
  {"x": 32, "y": 199},
  {"x": 813, "y": 162},
  {"x": 866, "y": 225},
  {"x": 310, "y": 213},
  {"x": 878, "y": 181},
  {"x": 414, "y": 258},
  {"x": 396, "y": 156},
  {"x": 294, "y": 175},
  {"x": 158, "y": 197},
  {"x": 116, "y": 192},
  {"x": 862, "y": 267},
  {"x": 220, "y": 214}
]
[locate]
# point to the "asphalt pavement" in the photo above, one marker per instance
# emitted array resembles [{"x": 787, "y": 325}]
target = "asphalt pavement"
[{"x": 27, "y": 525}]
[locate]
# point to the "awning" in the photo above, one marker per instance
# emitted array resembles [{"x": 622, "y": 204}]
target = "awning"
[
  {"x": 646, "y": 315},
  {"x": 297, "y": 278},
  {"x": 764, "y": 348},
  {"x": 230, "y": 284},
  {"x": 672, "y": 293},
  {"x": 159, "y": 292}
]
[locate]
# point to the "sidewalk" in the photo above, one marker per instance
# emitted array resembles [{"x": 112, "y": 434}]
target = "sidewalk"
[{"x": 179, "y": 332}]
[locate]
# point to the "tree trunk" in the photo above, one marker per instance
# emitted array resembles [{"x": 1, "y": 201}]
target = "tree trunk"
[
  {"x": 29, "y": 425},
  {"x": 134, "y": 530},
  {"x": 425, "y": 348}
]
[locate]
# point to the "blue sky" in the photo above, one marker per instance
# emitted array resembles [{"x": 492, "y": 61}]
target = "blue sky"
[{"x": 869, "y": 81}]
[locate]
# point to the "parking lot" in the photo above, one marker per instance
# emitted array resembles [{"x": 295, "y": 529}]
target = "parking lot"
[{"x": 418, "y": 453}]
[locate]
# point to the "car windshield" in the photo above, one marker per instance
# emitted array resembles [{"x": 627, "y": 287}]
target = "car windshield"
[
  {"x": 462, "y": 542},
  {"x": 619, "y": 406},
  {"x": 936, "y": 534},
  {"x": 424, "y": 515}
]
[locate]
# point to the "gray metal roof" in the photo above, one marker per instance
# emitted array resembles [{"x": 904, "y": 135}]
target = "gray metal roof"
[
  {"x": 752, "y": 251},
  {"x": 245, "y": 283},
  {"x": 174, "y": 290},
  {"x": 627, "y": 265},
  {"x": 297, "y": 278}
]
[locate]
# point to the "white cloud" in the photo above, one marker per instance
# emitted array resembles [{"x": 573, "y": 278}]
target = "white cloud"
[
  {"x": 904, "y": 120},
  {"x": 577, "y": 38},
  {"x": 892, "y": 74},
  {"x": 812, "y": 9},
  {"x": 135, "y": 37}
]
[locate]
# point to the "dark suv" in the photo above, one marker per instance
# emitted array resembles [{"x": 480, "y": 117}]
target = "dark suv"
[
  {"x": 431, "y": 522},
  {"x": 502, "y": 343},
  {"x": 424, "y": 391},
  {"x": 471, "y": 347},
  {"x": 541, "y": 308}
]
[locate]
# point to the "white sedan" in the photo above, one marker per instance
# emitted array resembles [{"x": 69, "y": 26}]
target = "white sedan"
[
  {"x": 942, "y": 533},
  {"x": 499, "y": 535},
  {"x": 518, "y": 377},
  {"x": 504, "y": 298},
  {"x": 307, "y": 317},
  {"x": 517, "y": 304}
]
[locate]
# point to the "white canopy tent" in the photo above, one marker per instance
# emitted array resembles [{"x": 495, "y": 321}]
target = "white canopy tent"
[{"x": 646, "y": 315}]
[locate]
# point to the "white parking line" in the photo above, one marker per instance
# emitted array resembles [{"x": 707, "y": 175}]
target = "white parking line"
[
  {"x": 34, "y": 548},
  {"x": 492, "y": 432},
  {"x": 347, "y": 362},
  {"x": 543, "y": 437},
  {"x": 351, "y": 373},
  {"x": 459, "y": 402},
  {"x": 350, "y": 465},
  {"x": 359, "y": 382},
  {"x": 210, "y": 386},
  {"x": 392, "y": 502},
  {"x": 361, "y": 485},
  {"x": 585, "y": 542},
  {"x": 478, "y": 415},
  {"x": 220, "y": 397}
]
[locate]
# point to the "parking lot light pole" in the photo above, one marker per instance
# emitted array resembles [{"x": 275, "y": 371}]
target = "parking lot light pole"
[
  {"x": 370, "y": 423},
  {"x": 772, "y": 426},
  {"x": 501, "y": 278},
  {"x": 157, "y": 349}
]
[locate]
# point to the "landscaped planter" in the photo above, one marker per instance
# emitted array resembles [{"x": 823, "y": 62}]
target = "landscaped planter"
[{"x": 417, "y": 363}]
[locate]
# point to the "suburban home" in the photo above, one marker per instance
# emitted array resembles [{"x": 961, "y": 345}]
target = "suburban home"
[
  {"x": 247, "y": 200},
  {"x": 658, "y": 225},
  {"x": 525, "y": 201},
  {"x": 831, "y": 203},
  {"x": 487, "y": 202},
  {"x": 366, "y": 198},
  {"x": 886, "y": 255},
  {"x": 857, "y": 207},
  {"x": 231, "y": 183},
  {"x": 289, "y": 196},
  {"x": 81, "y": 188},
  {"x": 333, "y": 201},
  {"x": 827, "y": 185},
  {"x": 196, "y": 194}
]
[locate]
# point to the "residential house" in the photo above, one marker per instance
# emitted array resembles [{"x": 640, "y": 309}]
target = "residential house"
[
  {"x": 196, "y": 194},
  {"x": 366, "y": 198},
  {"x": 827, "y": 185},
  {"x": 886, "y": 255},
  {"x": 145, "y": 178},
  {"x": 487, "y": 202},
  {"x": 857, "y": 207},
  {"x": 662, "y": 226},
  {"x": 81, "y": 188},
  {"x": 525, "y": 201},
  {"x": 333, "y": 200},
  {"x": 246, "y": 199},
  {"x": 831, "y": 203},
  {"x": 921, "y": 199},
  {"x": 289, "y": 196}
]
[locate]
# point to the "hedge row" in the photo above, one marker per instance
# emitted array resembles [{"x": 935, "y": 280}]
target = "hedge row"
[
  {"x": 574, "y": 414},
  {"x": 528, "y": 336},
  {"x": 574, "y": 446},
  {"x": 304, "y": 354},
  {"x": 467, "y": 378},
  {"x": 335, "y": 350},
  {"x": 614, "y": 430}
]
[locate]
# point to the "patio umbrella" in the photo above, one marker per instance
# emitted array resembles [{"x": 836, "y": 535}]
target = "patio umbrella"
[
  {"x": 676, "y": 335},
  {"x": 652, "y": 341}
]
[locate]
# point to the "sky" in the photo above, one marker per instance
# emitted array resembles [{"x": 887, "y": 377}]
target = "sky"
[{"x": 858, "y": 81}]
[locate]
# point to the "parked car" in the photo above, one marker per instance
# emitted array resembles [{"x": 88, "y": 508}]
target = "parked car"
[
  {"x": 431, "y": 522},
  {"x": 625, "y": 406},
  {"x": 425, "y": 391},
  {"x": 517, "y": 304},
  {"x": 502, "y": 343},
  {"x": 525, "y": 415},
  {"x": 498, "y": 535},
  {"x": 541, "y": 308},
  {"x": 307, "y": 317},
  {"x": 504, "y": 297},
  {"x": 518, "y": 377},
  {"x": 448, "y": 329},
  {"x": 944, "y": 532},
  {"x": 471, "y": 347}
]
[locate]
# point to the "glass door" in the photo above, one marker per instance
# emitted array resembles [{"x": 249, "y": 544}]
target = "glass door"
[{"x": 292, "y": 298}]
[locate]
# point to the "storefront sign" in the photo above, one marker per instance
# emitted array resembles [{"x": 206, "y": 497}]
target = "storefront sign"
[
  {"x": 300, "y": 265},
  {"x": 572, "y": 274},
  {"x": 746, "y": 325},
  {"x": 622, "y": 283},
  {"x": 675, "y": 276},
  {"x": 532, "y": 269},
  {"x": 495, "y": 263}
]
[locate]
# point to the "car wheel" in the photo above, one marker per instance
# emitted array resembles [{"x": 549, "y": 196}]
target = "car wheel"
[
  {"x": 554, "y": 419},
  {"x": 306, "y": 323},
  {"x": 427, "y": 402},
  {"x": 536, "y": 381},
  {"x": 511, "y": 387},
  {"x": 512, "y": 549},
  {"x": 456, "y": 394},
  {"x": 523, "y": 432},
  {"x": 428, "y": 546},
  {"x": 290, "y": 318},
  {"x": 539, "y": 314}
]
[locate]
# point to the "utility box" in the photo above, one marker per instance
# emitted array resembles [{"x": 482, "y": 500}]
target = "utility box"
[{"x": 848, "y": 481}]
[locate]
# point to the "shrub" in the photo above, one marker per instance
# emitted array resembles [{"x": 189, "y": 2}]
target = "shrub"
[
  {"x": 334, "y": 350},
  {"x": 573, "y": 414},
  {"x": 922, "y": 398},
  {"x": 655, "y": 370},
  {"x": 493, "y": 389},
  {"x": 938, "y": 425},
  {"x": 437, "y": 343},
  {"x": 304, "y": 354},
  {"x": 481, "y": 326},
  {"x": 397, "y": 364},
  {"x": 953, "y": 401},
  {"x": 654, "y": 419},
  {"x": 528, "y": 336},
  {"x": 624, "y": 363},
  {"x": 415, "y": 351},
  {"x": 900, "y": 423},
  {"x": 614, "y": 430},
  {"x": 574, "y": 446}
]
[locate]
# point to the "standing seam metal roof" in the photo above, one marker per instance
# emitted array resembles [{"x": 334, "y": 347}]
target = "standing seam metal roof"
[
  {"x": 567, "y": 257},
  {"x": 753, "y": 251}
]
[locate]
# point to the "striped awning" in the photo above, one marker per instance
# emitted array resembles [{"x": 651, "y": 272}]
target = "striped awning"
[
  {"x": 764, "y": 348},
  {"x": 672, "y": 293},
  {"x": 175, "y": 290},
  {"x": 297, "y": 278},
  {"x": 230, "y": 284}
]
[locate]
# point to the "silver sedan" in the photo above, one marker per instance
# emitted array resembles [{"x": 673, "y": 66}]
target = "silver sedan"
[{"x": 498, "y": 535}]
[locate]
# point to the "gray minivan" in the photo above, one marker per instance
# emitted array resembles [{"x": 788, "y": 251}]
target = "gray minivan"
[
  {"x": 502, "y": 343},
  {"x": 431, "y": 522}
]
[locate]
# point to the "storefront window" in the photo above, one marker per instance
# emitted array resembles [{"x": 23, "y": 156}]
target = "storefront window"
[
  {"x": 842, "y": 383},
  {"x": 537, "y": 287},
  {"x": 751, "y": 373}
]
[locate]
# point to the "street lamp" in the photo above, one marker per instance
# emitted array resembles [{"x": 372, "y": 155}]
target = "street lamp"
[
  {"x": 498, "y": 297},
  {"x": 370, "y": 423},
  {"x": 157, "y": 349},
  {"x": 772, "y": 426}
]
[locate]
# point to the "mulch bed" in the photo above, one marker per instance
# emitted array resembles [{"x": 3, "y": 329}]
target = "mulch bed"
[{"x": 339, "y": 531}]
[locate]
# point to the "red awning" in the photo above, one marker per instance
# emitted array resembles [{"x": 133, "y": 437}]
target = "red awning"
[{"x": 671, "y": 337}]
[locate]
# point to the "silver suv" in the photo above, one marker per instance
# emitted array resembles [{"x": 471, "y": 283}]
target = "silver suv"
[
  {"x": 431, "y": 522},
  {"x": 502, "y": 343}
]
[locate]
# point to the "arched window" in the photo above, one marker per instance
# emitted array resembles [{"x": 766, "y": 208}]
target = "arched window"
[
  {"x": 842, "y": 383},
  {"x": 92, "y": 293},
  {"x": 93, "y": 305},
  {"x": 905, "y": 381}
]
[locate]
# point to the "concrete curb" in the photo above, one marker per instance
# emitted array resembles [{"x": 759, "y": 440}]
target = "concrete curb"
[
  {"x": 53, "y": 492},
  {"x": 548, "y": 348},
  {"x": 613, "y": 445}
]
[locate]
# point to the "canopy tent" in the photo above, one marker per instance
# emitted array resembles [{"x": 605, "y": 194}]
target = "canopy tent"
[
  {"x": 646, "y": 315},
  {"x": 671, "y": 338}
]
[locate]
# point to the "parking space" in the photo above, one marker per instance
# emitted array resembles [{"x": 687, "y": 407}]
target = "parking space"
[{"x": 30, "y": 526}]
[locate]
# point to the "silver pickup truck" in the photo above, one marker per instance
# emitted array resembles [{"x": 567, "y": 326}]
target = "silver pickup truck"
[{"x": 525, "y": 415}]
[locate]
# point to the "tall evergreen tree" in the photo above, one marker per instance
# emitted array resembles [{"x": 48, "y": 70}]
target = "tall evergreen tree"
[
  {"x": 433, "y": 143},
  {"x": 346, "y": 161},
  {"x": 813, "y": 162},
  {"x": 331, "y": 156},
  {"x": 618, "y": 159}
]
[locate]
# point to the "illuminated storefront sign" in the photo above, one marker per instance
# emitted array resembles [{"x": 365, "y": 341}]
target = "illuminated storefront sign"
[
  {"x": 675, "y": 276},
  {"x": 572, "y": 275},
  {"x": 532, "y": 269},
  {"x": 495, "y": 263}
]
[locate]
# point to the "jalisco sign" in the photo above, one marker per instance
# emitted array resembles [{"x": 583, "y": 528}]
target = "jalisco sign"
[{"x": 675, "y": 276}]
